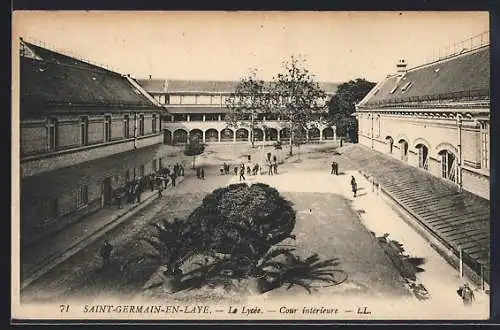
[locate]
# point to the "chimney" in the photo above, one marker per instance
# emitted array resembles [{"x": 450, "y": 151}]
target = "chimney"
[
  {"x": 401, "y": 67},
  {"x": 149, "y": 77}
]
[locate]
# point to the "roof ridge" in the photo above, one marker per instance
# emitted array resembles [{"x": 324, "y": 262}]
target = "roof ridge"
[{"x": 449, "y": 58}]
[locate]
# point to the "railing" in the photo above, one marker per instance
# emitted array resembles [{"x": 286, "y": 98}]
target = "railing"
[
  {"x": 68, "y": 53},
  {"x": 474, "y": 42}
]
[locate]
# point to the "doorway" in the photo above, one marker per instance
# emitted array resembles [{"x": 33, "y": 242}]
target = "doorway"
[{"x": 106, "y": 191}]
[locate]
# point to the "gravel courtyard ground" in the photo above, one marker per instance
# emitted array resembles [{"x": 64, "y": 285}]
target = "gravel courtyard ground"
[{"x": 329, "y": 222}]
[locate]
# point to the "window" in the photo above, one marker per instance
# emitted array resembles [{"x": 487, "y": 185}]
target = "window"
[
  {"x": 394, "y": 89},
  {"x": 52, "y": 134},
  {"x": 155, "y": 165},
  {"x": 153, "y": 123},
  {"x": 141, "y": 125},
  {"x": 126, "y": 126},
  {"x": 444, "y": 165},
  {"x": 195, "y": 117},
  {"x": 82, "y": 196},
  {"x": 180, "y": 117},
  {"x": 166, "y": 99},
  {"x": 107, "y": 128},
  {"x": 48, "y": 209},
  {"x": 141, "y": 170},
  {"x": 485, "y": 141},
  {"x": 127, "y": 175},
  {"x": 160, "y": 165},
  {"x": 84, "y": 132}
]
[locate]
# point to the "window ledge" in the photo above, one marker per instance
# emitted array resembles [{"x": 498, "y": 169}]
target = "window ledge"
[{"x": 83, "y": 148}]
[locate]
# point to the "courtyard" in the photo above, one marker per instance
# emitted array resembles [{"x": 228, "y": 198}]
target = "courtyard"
[{"x": 330, "y": 222}]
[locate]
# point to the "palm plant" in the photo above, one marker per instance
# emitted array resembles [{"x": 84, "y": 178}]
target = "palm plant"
[
  {"x": 301, "y": 272},
  {"x": 173, "y": 244}
]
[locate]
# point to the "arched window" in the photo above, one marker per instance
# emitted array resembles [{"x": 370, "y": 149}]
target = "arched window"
[
  {"x": 404, "y": 149},
  {"x": 390, "y": 144},
  {"x": 423, "y": 153},
  {"x": 448, "y": 165}
]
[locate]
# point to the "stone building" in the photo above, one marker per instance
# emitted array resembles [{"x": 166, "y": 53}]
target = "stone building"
[
  {"x": 436, "y": 117},
  {"x": 84, "y": 132},
  {"x": 198, "y": 108}
]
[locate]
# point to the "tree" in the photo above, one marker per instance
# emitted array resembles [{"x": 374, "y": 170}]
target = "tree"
[
  {"x": 296, "y": 96},
  {"x": 243, "y": 220},
  {"x": 245, "y": 103},
  {"x": 194, "y": 148},
  {"x": 343, "y": 104}
]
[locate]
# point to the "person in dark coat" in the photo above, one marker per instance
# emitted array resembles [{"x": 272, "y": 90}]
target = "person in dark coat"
[
  {"x": 354, "y": 186},
  {"x": 105, "y": 252},
  {"x": 202, "y": 173},
  {"x": 466, "y": 294},
  {"x": 235, "y": 170},
  {"x": 333, "y": 168},
  {"x": 173, "y": 176},
  {"x": 270, "y": 167},
  {"x": 242, "y": 173}
]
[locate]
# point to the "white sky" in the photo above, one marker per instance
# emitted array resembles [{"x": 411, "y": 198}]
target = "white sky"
[{"x": 338, "y": 46}]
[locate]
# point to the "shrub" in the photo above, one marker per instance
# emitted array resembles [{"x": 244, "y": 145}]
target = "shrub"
[{"x": 239, "y": 218}]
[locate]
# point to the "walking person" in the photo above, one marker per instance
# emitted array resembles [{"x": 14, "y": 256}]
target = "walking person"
[
  {"x": 270, "y": 167},
  {"x": 467, "y": 295},
  {"x": 173, "y": 177},
  {"x": 242, "y": 173},
  {"x": 333, "y": 168},
  {"x": 275, "y": 165},
  {"x": 336, "y": 168},
  {"x": 354, "y": 186},
  {"x": 105, "y": 252}
]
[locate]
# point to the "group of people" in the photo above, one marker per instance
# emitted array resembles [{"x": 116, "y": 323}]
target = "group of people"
[
  {"x": 200, "y": 173},
  {"x": 354, "y": 184},
  {"x": 159, "y": 180}
]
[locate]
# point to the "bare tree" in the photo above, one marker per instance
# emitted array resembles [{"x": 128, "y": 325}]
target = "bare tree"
[
  {"x": 296, "y": 96},
  {"x": 246, "y": 102}
]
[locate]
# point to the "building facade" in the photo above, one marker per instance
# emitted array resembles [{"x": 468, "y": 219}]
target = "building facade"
[
  {"x": 84, "y": 132},
  {"x": 198, "y": 108},
  {"x": 435, "y": 117}
]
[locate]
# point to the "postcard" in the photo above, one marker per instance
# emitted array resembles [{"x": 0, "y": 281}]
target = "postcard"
[{"x": 250, "y": 165}]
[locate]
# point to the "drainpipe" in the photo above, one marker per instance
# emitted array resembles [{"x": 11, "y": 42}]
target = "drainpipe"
[
  {"x": 135, "y": 130},
  {"x": 459, "y": 146}
]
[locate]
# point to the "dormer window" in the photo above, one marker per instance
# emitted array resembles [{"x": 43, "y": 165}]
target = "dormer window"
[
  {"x": 406, "y": 86},
  {"x": 394, "y": 89}
]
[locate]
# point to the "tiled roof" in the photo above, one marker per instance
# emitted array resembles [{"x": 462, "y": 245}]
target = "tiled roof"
[
  {"x": 62, "y": 85},
  {"x": 203, "y": 86},
  {"x": 462, "y": 75},
  {"x": 460, "y": 220},
  {"x": 153, "y": 85}
]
